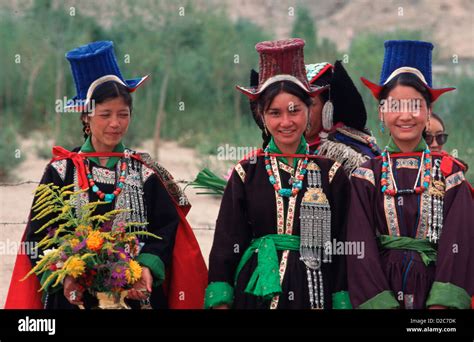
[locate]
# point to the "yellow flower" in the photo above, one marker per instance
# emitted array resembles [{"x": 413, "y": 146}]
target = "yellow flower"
[
  {"x": 134, "y": 272},
  {"x": 74, "y": 242},
  {"x": 84, "y": 228},
  {"x": 94, "y": 241},
  {"x": 75, "y": 266}
]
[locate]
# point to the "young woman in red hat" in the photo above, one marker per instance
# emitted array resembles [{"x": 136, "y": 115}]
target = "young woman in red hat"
[
  {"x": 281, "y": 215},
  {"x": 123, "y": 179},
  {"x": 336, "y": 128},
  {"x": 411, "y": 207}
]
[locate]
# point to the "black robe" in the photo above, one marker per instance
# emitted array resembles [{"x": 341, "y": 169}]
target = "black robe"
[{"x": 248, "y": 210}]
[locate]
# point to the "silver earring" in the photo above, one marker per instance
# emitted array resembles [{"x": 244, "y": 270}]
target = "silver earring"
[{"x": 327, "y": 115}]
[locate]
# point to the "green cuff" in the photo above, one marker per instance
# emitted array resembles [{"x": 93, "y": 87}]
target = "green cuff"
[
  {"x": 218, "y": 293},
  {"x": 384, "y": 300},
  {"x": 449, "y": 295},
  {"x": 156, "y": 266},
  {"x": 340, "y": 300}
]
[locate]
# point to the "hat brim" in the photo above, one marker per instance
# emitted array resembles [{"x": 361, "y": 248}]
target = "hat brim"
[
  {"x": 375, "y": 89},
  {"x": 253, "y": 93},
  {"x": 80, "y": 105}
]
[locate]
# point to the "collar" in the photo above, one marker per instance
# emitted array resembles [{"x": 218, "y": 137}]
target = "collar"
[
  {"x": 87, "y": 147},
  {"x": 273, "y": 148},
  {"x": 393, "y": 148}
]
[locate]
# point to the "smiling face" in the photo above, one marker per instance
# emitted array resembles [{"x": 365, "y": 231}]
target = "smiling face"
[
  {"x": 286, "y": 119},
  {"x": 405, "y": 116},
  {"x": 109, "y": 123}
]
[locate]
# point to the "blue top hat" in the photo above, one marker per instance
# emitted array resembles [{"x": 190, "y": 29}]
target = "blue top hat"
[
  {"x": 93, "y": 64},
  {"x": 406, "y": 56},
  {"x": 407, "y": 53}
]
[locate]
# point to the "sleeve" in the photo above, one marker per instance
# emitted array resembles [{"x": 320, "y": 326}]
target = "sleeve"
[
  {"x": 454, "y": 272},
  {"x": 368, "y": 286},
  {"x": 32, "y": 237},
  {"x": 340, "y": 188},
  {"x": 231, "y": 239},
  {"x": 163, "y": 219},
  {"x": 50, "y": 176}
]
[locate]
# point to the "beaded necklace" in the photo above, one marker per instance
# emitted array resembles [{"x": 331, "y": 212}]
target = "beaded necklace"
[
  {"x": 296, "y": 183},
  {"x": 103, "y": 196},
  {"x": 387, "y": 169}
]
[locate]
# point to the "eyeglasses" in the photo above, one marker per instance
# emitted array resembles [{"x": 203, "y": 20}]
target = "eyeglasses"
[{"x": 441, "y": 138}]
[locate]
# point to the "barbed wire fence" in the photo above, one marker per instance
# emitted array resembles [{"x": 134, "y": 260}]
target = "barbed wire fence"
[{"x": 6, "y": 185}]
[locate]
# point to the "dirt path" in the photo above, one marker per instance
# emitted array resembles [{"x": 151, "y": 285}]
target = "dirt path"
[{"x": 15, "y": 202}]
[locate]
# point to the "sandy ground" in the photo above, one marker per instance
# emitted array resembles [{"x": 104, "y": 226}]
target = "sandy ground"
[{"x": 15, "y": 202}]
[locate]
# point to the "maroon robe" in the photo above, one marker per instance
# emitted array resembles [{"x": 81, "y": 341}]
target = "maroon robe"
[{"x": 400, "y": 270}]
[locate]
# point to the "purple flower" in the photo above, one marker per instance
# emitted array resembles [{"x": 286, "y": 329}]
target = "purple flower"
[
  {"x": 106, "y": 226},
  {"x": 113, "y": 283},
  {"x": 51, "y": 231},
  {"x": 63, "y": 256},
  {"x": 118, "y": 271},
  {"x": 79, "y": 246},
  {"x": 122, "y": 254},
  {"x": 120, "y": 282}
]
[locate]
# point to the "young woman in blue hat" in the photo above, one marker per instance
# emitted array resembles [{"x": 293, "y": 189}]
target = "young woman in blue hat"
[
  {"x": 410, "y": 208},
  {"x": 124, "y": 179}
]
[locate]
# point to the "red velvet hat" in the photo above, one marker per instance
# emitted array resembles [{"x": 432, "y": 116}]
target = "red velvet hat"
[{"x": 281, "y": 60}]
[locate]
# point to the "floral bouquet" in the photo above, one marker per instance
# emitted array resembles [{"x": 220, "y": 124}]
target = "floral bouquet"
[{"x": 98, "y": 254}]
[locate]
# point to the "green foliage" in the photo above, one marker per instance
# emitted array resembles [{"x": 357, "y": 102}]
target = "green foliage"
[{"x": 316, "y": 50}]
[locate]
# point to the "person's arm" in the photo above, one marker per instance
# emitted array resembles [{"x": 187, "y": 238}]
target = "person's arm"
[
  {"x": 231, "y": 239},
  {"x": 55, "y": 173},
  {"x": 340, "y": 189},
  {"x": 50, "y": 175},
  {"x": 163, "y": 219},
  {"x": 454, "y": 272},
  {"x": 368, "y": 285}
]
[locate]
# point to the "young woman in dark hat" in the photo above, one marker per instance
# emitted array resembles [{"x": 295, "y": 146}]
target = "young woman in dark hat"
[
  {"x": 411, "y": 207},
  {"x": 124, "y": 179},
  {"x": 281, "y": 215}
]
